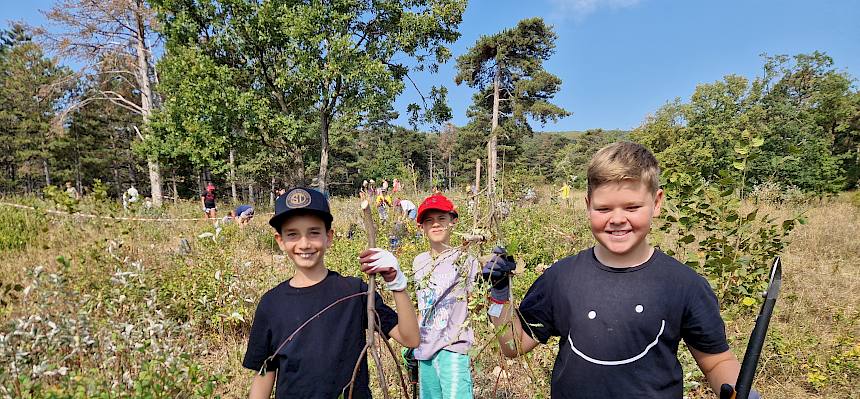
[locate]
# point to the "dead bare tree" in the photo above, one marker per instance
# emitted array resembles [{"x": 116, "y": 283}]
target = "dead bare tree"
[{"x": 113, "y": 38}]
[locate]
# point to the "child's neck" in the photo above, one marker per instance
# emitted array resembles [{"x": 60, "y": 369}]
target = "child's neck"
[
  {"x": 631, "y": 259},
  {"x": 308, "y": 277},
  {"x": 437, "y": 248}
]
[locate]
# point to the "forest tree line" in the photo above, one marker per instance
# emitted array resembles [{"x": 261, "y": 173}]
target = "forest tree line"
[{"x": 253, "y": 95}]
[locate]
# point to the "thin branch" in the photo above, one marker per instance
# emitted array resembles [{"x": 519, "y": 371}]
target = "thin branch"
[{"x": 302, "y": 326}]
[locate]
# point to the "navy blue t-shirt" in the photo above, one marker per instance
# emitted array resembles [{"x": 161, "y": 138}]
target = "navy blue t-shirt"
[
  {"x": 319, "y": 361},
  {"x": 620, "y": 327}
]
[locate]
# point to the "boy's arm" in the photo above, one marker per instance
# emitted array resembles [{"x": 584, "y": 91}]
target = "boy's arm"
[
  {"x": 406, "y": 330},
  {"x": 513, "y": 340},
  {"x": 375, "y": 260},
  {"x": 719, "y": 368},
  {"x": 261, "y": 387}
]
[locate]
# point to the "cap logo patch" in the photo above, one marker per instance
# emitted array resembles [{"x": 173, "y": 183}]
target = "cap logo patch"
[{"x": 298, "y": 198}]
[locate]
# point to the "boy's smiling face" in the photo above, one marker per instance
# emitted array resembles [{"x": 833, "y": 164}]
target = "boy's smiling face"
[
  {"x": 437, "y": 226},
  {"x": 620, "y": 214},
  {"x": 304, "y": 239}
]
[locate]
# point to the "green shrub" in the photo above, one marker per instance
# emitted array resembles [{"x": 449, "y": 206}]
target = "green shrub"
[
  {"x": 101, "y": 344},
  {"x": 705, "y": 228},
  {"x": 19, "y": 227}
]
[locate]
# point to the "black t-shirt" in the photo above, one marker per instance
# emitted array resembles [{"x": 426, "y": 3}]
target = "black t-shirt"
[
  {"x": 620, "y": 328},
  {"x": 208, "y": 198},
  {"x": 319, "y": 361}
]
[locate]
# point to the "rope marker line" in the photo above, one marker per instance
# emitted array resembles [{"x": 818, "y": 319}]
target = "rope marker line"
[{"x": 88, "y": 215}]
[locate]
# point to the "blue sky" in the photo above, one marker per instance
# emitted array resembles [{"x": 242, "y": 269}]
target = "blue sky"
[{"x": 622, "y": 59}]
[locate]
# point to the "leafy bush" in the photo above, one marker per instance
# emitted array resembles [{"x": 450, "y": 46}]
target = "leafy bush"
[
  {"x": 705, "y": 227},
  {"x": 61, "y": 199},
  {"x": 70, "y": 345}
]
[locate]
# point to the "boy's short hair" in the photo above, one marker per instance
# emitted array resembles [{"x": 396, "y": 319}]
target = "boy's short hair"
[{"x": 621, "y": 161}]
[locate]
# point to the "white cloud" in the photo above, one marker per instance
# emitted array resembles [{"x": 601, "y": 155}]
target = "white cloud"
[{"x": 579, "y": 9}]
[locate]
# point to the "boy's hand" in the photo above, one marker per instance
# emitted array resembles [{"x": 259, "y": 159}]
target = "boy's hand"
[
  {"x": 496, "y": 272},
  {"x": 377, "y": 260}
]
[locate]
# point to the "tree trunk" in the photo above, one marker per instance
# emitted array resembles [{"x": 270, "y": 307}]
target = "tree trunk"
[
  {"x": 154, "y": 182},
  {"x": 449, "y": 171},
  {"x": 478, "y": 175},
  {"x": 251, "y": 193},
  {"x": 323, "y": 175},
  {"x": 116, "y": 186},
  {"x": 272, "y": 194},
  {"x": 175, "y": 191},
  {"x": 299, "y": 178},
  {"x": 431, "y": 170},
  {"x": 131, "y": 174},
  {"x": 47, "y": 172},
  {"x": 491, "y": 145},
  {"x": 146, "y": 98},
  {"x": 113, "y": 165},
  {"x": 233, "y": 174},
  {"x": 476, "y": 190}
]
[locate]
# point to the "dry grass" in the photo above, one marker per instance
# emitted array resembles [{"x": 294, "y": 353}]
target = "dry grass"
[{"x": 817, "y": 318}]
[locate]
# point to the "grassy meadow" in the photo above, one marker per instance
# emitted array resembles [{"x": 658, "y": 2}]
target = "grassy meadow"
[{"x": 94, "y": 307}]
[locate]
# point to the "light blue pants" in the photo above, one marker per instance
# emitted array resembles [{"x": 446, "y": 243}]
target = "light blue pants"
[{"x": 446, "y": 376}]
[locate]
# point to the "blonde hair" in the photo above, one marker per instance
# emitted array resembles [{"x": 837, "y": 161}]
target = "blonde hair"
[{"x": 621, "y": 161}]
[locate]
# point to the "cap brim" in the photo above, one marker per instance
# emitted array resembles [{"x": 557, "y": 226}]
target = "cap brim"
[
  {"x": 278, "y": 220},
  {"x": 419, "y": 216}
]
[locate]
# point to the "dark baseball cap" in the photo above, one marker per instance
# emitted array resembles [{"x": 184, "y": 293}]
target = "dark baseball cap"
[{"x": 300, "y": 200}]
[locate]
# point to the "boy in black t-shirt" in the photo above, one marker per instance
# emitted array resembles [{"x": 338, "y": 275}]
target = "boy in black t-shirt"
[
  {"x": 622, "y": 307},
  {"x": 316, "y": 360}
]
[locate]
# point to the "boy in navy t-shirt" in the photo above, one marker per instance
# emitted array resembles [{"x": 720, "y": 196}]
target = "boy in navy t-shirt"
[
  {"x": 622, "y": 307},
  {"x": 316, "y": 360}
]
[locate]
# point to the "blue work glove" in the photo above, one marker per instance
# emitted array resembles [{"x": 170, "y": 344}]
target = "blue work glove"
[
  {"x": 727, "y": 391},
  {"x": 496, "y": 272}
]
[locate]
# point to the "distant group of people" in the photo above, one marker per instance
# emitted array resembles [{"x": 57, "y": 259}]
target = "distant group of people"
[
  {"x": 242, "y": 215},
  {"x": 130, "y": 197},
  {"x": 381, "y": 198}
]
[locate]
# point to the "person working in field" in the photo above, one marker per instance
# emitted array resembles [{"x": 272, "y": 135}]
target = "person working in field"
[
  {"x": 621, "y": 307},
  {"x": 318, "y": 361},
  {"x": 383, "y": 202},
  {"x": 443, "y": 276},
  {"x": 242, "y": 215},
  {"x": 565, "y": 194},
  {"x": 207, "y": 199},
  {"x": 407, "y": 208},
  {"x": 72, "y": 192}
]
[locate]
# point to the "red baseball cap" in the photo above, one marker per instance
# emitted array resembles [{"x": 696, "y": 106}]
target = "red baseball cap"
[{"x": 437, "y": 202}]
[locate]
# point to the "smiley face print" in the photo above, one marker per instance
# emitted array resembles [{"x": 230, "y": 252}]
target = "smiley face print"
[{"x": 594, "y": 316}]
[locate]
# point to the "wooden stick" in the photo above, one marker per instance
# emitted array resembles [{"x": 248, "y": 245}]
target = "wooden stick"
[{"x": 370, "y": 227}]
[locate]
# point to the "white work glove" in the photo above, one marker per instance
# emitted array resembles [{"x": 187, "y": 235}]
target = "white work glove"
[{"x": 378, "y": 260}]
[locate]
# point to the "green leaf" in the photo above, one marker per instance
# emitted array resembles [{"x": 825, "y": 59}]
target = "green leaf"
[
  {"x": 748, "y": 301},
  {"x": 687, "y": 239},
  {"x": 757, "y": 142},
  {"x": 742, "y": 150}
]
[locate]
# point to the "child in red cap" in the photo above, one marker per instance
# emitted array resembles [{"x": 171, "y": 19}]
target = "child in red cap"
[
  {"x": 207, "y": 199},
  {"x": 444, "y": 277}
]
